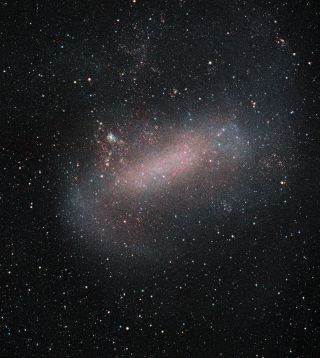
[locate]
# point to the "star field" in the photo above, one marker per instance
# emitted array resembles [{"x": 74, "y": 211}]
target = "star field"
[{"x": 160, "y": 179}]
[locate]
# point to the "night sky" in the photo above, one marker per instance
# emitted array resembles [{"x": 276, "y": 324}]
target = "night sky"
[{"x": 160, "y": 179}]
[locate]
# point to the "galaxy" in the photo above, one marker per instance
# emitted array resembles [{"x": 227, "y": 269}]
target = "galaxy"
[
  {"x": 139, "y": 182},
  {"x": 160, "y": 179}
]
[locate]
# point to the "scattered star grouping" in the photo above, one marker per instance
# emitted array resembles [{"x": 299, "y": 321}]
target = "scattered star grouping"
[{"x": 160, "y": 187}]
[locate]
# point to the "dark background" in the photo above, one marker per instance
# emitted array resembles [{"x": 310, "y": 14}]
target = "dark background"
[{"x": 246, "y": 281}]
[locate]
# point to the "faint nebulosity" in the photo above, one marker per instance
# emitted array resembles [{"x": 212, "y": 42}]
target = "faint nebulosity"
[{"x": 160, "y": 191}]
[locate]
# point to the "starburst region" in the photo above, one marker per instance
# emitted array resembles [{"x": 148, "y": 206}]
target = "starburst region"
[{"x": 141, "y": 178}]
